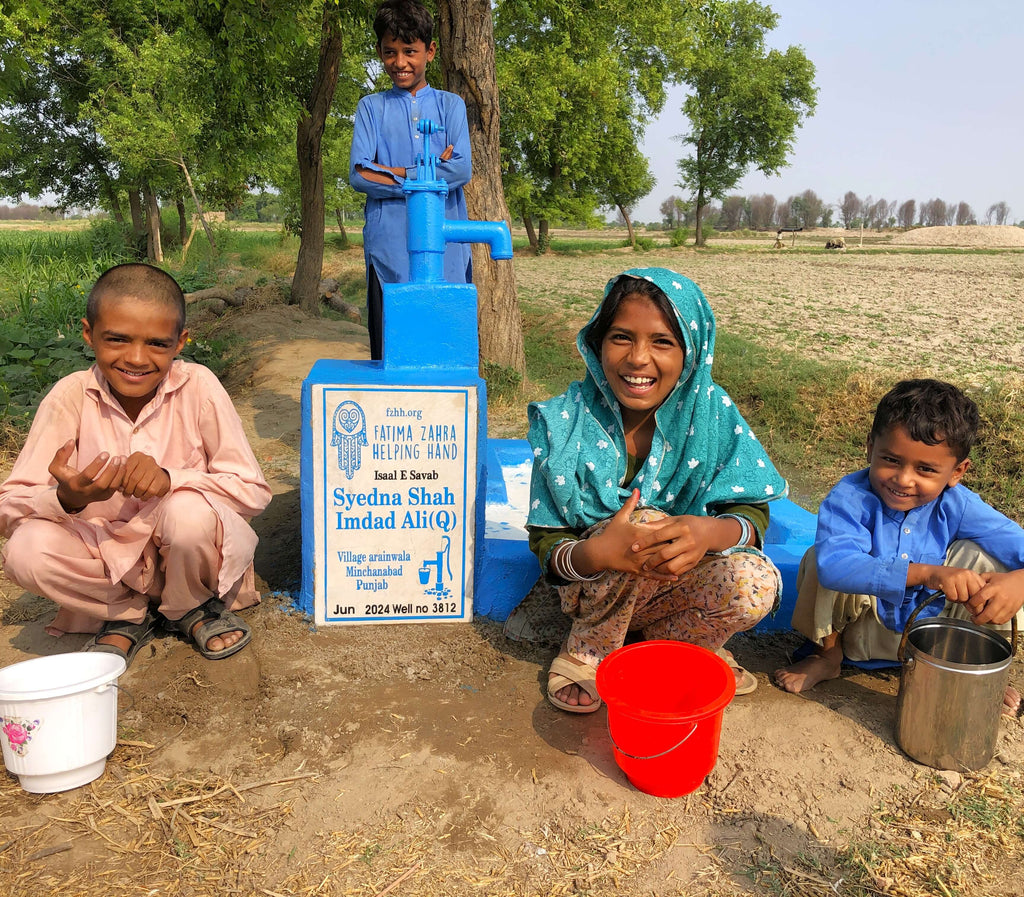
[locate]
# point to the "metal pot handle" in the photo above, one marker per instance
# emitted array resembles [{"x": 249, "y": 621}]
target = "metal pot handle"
[
  {"x": 928, "y": 599},
  {"x": 901, "y": 654}
]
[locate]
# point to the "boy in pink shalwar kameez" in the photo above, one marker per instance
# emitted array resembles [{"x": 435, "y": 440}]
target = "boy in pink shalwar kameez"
[{"x": 128, "y": 504}]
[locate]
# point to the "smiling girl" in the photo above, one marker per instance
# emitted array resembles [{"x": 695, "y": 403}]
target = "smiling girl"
[{"x": 649, "y": 492}]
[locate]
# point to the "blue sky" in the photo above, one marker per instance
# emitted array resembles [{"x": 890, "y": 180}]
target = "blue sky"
[{"x": 916, "y": 100}]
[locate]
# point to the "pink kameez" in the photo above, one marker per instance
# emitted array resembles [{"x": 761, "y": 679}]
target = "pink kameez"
[{"x": 109, "y": 560}]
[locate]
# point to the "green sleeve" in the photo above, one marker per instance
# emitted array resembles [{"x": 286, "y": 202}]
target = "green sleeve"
[
  {"x": 756, "y": 514},
  {"x": 543, "y": 540}
]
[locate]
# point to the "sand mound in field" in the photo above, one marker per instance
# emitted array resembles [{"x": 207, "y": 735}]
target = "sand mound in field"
[{"x": 965, "y": 236}]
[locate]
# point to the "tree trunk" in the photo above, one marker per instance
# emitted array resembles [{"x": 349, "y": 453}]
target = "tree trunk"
[
  {"x": 629, "y": 225},
  {"x": 154, "y": 250},
  {"x": 112, "y": 201},
  {"x": 309, "y": 135},
  {"x": 179, "y": 203},
  {"x": 138, "y": 216},
  {"x": 531, "y": 231},
  {"x": 466, "y": 35},
  {"x": 544, "y": 237},
  {"x": 340, "y": 215},
  {"x": 700, "y": 204},
  {"x": 199, "y": 205}
]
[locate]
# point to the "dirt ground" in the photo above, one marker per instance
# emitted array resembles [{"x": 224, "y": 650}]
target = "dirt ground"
[{"x": 424, "y": 760}]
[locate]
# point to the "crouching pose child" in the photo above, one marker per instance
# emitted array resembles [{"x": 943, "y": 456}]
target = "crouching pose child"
[
  {"x": 128, "y": 504},
  {"x": 902, "y": 528},
  {"x": 648, "y": 499}
]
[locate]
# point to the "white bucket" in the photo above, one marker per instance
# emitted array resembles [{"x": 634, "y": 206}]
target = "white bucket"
[{"x": 58, "y": 718}]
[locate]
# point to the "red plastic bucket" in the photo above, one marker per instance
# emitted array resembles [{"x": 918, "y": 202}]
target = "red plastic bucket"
[{"x": 665, "y": 703}]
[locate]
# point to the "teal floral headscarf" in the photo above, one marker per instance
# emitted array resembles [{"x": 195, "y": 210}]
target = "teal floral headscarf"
[{"x": 703, "y": 452}]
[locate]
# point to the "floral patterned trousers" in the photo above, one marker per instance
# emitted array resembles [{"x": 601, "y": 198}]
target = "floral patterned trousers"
[{"x": 724, "y": 594}]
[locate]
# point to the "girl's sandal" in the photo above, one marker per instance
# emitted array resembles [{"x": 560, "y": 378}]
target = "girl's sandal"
[
  {"x": 566, "y": 670},
  {"x": 746, "y": 682}
]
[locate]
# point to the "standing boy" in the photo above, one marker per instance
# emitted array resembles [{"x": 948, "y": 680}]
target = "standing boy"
[
  {"x": 905, "y": 526},
  {"x": 385, "y": 144},
  {"x": 128, "y": 504}
]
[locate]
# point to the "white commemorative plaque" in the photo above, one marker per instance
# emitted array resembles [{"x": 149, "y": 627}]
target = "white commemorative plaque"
[{"x": 394, "y": 502}]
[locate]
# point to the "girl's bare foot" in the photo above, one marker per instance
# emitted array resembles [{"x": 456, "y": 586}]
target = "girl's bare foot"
[
  {"x": 1011, "y": 702},
  {"x": 824, "y": 663}
]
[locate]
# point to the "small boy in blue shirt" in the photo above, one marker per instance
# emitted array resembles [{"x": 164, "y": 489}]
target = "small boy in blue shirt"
[
  {"x": 904, "y": 527},
  {"x": 385, "y": 144}
]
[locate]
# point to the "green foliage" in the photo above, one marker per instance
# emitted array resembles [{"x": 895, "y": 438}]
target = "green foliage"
[
  {"x": 33, "y": 356},
  {"x": 216, "y": 353},
  {"x": 111, "y": 96},
  {"x": 47, "y": 277},
  {"x": 200, "y": 276},
  {"x": 109, "y": 239},
  {"x": 44, "y": 277},
  {"x": 579, "y": 82},
  {"x": 503, "y": 383},
  {"x": 643, "y": 244},
  {"x": 679, "y": 236}
]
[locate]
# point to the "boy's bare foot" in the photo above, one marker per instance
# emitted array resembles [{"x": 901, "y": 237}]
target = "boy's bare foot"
[
  {"x": 1011, "y": 702},
  {"x": 824, "y": 663}
]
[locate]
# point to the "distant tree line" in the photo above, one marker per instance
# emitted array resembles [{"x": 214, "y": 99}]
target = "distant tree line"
[
  {"x": 25, "y": 211},
  {"x": 765, "y": 212}
]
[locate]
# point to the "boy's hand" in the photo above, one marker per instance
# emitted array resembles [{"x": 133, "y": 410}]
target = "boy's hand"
[
  {"x": 382, "y": 177},
  {"x": 97, "y": 481},
  {"x": 144, "y": 478},
  {"x": 956, "y": 583},
  {"x": 999, "y": 598},
  {"x": 449, "y": 151}
]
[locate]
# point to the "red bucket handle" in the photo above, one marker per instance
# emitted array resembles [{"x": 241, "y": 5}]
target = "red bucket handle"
[{"x": 651, "y": 756}]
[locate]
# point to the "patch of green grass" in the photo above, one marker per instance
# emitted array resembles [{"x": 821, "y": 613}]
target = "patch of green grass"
[
  {"x": 552, "y": 361},
  {"x": 369, "y": 852},
  {"x": 503, "y": 383},
  {"x": 575, "y": 245},
  {"x": 44, "y": 281}
]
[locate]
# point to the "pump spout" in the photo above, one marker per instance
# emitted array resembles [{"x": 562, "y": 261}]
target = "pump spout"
[{"x": 494, "y": 233}]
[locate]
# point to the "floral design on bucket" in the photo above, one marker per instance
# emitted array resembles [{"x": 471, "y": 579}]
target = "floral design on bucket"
[{"x": 19, "y": 732}]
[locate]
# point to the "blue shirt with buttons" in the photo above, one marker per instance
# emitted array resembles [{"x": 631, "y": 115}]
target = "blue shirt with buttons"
[
  {"x": 385, "y": 134},
  {"x": 864, "y": 547}
]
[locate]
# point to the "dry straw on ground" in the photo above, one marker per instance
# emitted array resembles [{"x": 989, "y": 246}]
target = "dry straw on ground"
[{"x": 207, "y": 835}]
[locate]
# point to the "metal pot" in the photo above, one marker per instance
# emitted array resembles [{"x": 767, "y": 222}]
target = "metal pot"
[{"x": 952, "y": 682}]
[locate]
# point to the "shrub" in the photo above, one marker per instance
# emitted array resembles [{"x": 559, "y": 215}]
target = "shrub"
[
  {"x": 502, "y": 382},
  {"x": 32, "y": 358},
  {"x": 679, "y": 236}
]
